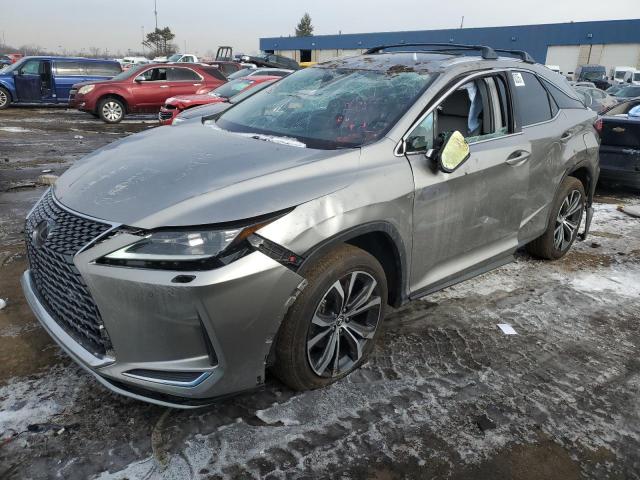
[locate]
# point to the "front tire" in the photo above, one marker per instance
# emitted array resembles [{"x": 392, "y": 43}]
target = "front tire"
[
  {"x": 111, "y": 110},
  {"x": 5, "y": 98},
  {"x": 331, "y": 328},
  {"x": 566, "y": 215}
]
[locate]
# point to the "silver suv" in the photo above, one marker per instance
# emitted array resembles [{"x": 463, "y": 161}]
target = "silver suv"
[{"x": 179, "y": 264}]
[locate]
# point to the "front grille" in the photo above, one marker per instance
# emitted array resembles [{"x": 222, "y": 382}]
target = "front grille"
[
  {"x": 166, "y": 115},
  {"x": 56, "y": 279}
]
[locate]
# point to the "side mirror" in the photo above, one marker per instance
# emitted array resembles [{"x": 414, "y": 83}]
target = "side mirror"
[
  {"x": 139, "y": 79},
  {"x": 454, "y": 152}
]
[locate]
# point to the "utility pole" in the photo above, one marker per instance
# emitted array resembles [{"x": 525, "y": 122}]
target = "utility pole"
[
  {"x": 155, "y": 11},
  {"x": 143, "y": 51},
  {"x": 185, "y": 46},
  {"x": 462, "y": 22}
]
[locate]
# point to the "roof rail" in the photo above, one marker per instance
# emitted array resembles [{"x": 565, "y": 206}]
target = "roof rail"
[
  {"x": 487, "y": 53},
  {"x": 524, "y": 56}
]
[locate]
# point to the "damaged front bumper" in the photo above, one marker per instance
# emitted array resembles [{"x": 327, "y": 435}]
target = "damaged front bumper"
[{"x": 173, "y": 344}]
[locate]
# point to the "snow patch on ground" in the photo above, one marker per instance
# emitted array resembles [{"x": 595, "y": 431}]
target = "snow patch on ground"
[
  {"x": 620, "y": 282},
  {"x": 15, "y": 130}
]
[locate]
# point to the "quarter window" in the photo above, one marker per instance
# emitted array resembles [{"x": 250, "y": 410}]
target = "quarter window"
[
  {"x": 102, "y": 69},
  {"x": 533, "y": 100},
  {"x": 421, "y": 137}
]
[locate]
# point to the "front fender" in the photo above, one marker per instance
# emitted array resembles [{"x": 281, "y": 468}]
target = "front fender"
[{"x": 9, "y": 85}]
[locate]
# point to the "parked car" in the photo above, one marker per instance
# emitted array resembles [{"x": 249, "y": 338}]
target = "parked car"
[
  {"x": 250, "y": 72},
  {"x": 618, "y": 74},
  {"x": 178, "y": 264},
  {"x": 182, "y": 58},
  {"x": 143, "y": 89},
  {"x": 620, "y": 144},
  {"x": 128, "y": 62},
  {"x": 596, "y": 99},
  {"x": 226, "y": 67},
  {"x": 615, "y": 88},
  {"x": 174, "y": 105},
  {"x": 203, "y": 112},
  {"x": 592, "y": 73},
  {"x": 5, "y": 61},
  {"x": 582, "y": 84},
  {"x": 632, "y": 77},
  {"x": 14, "y": 57},
  {"x": 272, "y": 60},
  {"x": 626, "y": 93},
  {"x": 161, "y": 59},
  {"x": 48, "y": 80}
]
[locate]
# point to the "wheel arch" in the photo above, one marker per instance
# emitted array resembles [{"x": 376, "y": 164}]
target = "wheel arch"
[
  {"x": 9, "y": 90},
  {"x": 115, "y": 95},
  {"x": 381, "y": 240}
]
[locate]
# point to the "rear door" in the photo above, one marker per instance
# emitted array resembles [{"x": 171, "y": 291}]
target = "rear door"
[
  {"x": 27, "y": 81},
  {"x": 548, "y": 132},
  {"x": 183, "y": 81},
  {"x": 468, "y": 220}
]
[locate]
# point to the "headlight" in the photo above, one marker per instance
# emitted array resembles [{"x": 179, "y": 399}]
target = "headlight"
[
  {"x": 197, "y": 249},
  {"x": 86, "y": 89}
]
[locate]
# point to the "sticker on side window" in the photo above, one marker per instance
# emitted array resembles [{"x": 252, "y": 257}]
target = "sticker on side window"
[{"x": 517, "y": 79}]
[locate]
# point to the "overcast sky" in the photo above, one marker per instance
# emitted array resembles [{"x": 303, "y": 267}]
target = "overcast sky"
[{"x": 206, "y": 24}]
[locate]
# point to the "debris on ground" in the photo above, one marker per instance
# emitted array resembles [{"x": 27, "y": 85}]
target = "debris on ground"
[
  {"x": 47, "y": 179},
  {"x": 484, "y": 423},
  {"x": 3, "y": 303},
  {"x": 633, "y": 210}
]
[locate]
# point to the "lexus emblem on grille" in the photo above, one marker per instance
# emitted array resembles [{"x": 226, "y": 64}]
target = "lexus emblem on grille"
[{"x": 41, "y": 232}]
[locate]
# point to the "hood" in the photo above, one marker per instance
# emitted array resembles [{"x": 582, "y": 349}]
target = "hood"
[
  {"x": 89, "y": 82},
  {"x": 186, "y": 101},
  {"x": 197, "y": 174}
]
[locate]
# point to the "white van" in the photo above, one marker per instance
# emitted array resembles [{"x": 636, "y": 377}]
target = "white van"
[
  {"x": 632, "y": 77},
  {"x": 618, "y": 73}
]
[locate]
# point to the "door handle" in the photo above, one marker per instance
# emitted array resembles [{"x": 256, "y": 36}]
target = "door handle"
[{"x": 518, "y": 158}]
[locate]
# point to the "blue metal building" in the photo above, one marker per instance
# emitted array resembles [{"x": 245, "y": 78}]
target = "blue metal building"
[{"x": 588, "y": 42}]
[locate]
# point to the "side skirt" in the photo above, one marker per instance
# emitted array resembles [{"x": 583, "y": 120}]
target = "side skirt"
[{"x": 465, "y": 275}]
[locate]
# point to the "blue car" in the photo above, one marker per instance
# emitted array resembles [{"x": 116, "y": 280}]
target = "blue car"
[{"x": 48, "y": 80}]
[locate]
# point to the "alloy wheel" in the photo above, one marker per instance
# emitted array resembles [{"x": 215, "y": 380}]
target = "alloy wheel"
[
  {"x": 3, "y": 98},
  {"x": 568, "y": 220},
  {"x": 112, "y": 111},
  {"x": 344, "y": 322}
]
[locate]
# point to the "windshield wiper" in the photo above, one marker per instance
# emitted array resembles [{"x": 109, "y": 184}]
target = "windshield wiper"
[{"x": 275, "y": 139}]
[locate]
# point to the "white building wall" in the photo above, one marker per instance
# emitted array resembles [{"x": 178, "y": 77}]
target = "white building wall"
[{"x": 568, "y": 57}]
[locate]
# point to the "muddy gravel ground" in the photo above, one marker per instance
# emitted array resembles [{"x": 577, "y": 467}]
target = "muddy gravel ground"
[{"x": 446, "y": 394}]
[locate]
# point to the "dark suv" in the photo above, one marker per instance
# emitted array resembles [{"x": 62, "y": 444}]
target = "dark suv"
[{"x": 179, "y": 264}]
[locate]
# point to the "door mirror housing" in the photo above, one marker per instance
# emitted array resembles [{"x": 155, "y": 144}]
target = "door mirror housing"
[
  {"x": 453, "y": 153},
  {"x": 139, "y": 79}
]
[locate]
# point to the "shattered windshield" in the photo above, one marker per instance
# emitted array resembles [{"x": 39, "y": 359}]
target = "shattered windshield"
[{"x": 329, "y": 108}]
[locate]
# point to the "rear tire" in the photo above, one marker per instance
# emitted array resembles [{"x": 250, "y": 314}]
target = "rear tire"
[
  {"x": 332, "y": 327},
  {"x": 566, "y": 215},
  {"x": 111, "y": 110},
  {"x": 5, "y": 98}
]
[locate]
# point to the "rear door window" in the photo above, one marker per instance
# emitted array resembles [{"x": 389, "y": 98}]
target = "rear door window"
[
  {"x": 533, "y": 101},
  {"x": 177, "y": 74}
]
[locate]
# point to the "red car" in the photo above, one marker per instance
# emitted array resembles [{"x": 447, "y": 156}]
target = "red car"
[
  {"x": 174, "y": 105},
  {"x": 143, "y": 89}
]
